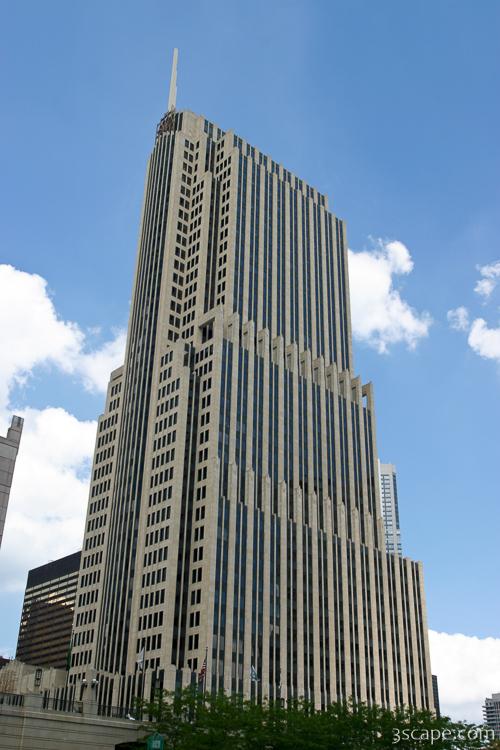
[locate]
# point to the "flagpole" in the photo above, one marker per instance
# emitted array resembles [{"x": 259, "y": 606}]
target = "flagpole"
[
  {"x": 143, "y": 679},
  {"x": 139, "y": 670},
  {"x": 202, "y": 674},
  {"x": 68, "y": 662}
]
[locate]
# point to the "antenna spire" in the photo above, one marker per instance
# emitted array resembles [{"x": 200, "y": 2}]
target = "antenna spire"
[{"x": 172, "y": 94}]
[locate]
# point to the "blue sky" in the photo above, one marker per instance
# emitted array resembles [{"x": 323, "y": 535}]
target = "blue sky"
[{"x": 390, "y": 108}]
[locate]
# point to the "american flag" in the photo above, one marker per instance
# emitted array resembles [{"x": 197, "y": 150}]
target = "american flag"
[
  {"x": 139, "y": 660},
  {"x": 203, "y": 671}
]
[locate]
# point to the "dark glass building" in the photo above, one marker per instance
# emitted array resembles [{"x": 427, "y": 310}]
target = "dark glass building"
[
  {"x": 47, "y": 616},
  {"x": 435, "y": 693}
]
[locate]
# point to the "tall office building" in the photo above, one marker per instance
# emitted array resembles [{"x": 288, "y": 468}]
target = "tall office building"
[
  {"x": 9, "y": 447},
  {"x": 47, "y": 614},
  {"x": 389, "y": 507},
  {"x": 491, "y": 713},
  {"x": 234, "y": 502}
]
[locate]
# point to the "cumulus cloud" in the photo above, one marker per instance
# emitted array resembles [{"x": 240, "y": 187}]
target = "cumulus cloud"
[
  {"x": 490, "y": 275},
  {"x": 459, "y": 318},
  {"x": 48, "y": 500},
  {"x": 95, "y": 368},
  {"x": 380, "y": 316},
  {"x": 33, "y": 334},
  {"x": 484, "y": 341},
  {"x": 482, "y": 338},
  {"x": 468, "y": 671},
  {"x": 49, "y": 494}
]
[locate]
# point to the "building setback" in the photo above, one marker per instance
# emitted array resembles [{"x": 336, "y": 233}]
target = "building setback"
[
  {"x": 47, "y": 616},
  {"x": 234, "y": 509},
  {"x": 9, "y": 447},
  {"x": 390, "y": 508}
]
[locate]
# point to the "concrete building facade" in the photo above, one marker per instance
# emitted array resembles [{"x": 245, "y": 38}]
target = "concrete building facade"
[
  {"x": 491, "y": 713},
  {"x": 18, "y": 678},
  {"x": 34, "y": 722},
  {"x": 9, "y": 446},
  {"x": 390, "y": 508},
  {"x": 233, "y": 528},
  {"x": 47, "y": 614}
]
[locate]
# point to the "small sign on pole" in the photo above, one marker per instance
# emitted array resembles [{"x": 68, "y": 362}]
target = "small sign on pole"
[{"x": 155, "y": 742}]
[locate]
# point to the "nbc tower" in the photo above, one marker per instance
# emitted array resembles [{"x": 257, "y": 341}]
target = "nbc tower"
[{"x": 234, "y": 507}]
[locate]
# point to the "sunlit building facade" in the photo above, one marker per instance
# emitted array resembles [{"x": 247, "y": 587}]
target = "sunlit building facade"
[
  {"x": 234, "y": 509},
  {"x": 491, "y": 713},
  {"x": 390, "y": 508}
]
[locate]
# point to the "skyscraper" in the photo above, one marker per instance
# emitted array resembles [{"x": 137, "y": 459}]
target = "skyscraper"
[
  {"x": 47, "y": 616},
  {"x": 9, "y": 447},
  {"x": 234, "y": 503},
  {"x": 390, "y": 509}
]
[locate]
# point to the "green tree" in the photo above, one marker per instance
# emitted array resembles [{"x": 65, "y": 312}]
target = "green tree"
[{"x": 191, "y": 721}]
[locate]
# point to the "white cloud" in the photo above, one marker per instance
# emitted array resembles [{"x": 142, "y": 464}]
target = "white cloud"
[
  {"x": 459, "y": 318},
  {"x": 95, "y": 368},
  {"x": 482, "y": 339},
  {"x": 33, "y": 334},
  {"x": 48, "y": 500},
  {"x": 485, "y": 341},
  {"x": 468, "y": 671},
  {"x": 490, "y": 274},
  {"x": 380, "y": 316}
]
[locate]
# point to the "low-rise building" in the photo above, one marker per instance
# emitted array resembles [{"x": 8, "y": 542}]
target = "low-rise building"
[{"x": 19, "y": 678}]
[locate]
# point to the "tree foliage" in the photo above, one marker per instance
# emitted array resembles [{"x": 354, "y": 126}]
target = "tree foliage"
[{"x": 191, "y": 721}]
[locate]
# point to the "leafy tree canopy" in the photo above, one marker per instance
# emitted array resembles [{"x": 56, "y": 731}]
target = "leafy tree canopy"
[{"x": 189, "y": 720}]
